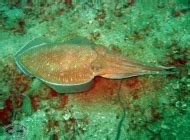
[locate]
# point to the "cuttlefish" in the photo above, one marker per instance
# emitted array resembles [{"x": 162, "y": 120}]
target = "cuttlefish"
[{"x": 71, "y": 66}]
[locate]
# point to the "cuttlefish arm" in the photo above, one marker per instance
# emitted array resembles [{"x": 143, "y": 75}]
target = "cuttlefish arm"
[{"x": 113, "y": 66}]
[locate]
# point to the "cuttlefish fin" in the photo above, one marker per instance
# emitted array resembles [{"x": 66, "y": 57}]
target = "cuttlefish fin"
[
  {"x": 147, "y": 70},
  {"x": 32, "y": 43},
  {"x": 78, "y": 40}
]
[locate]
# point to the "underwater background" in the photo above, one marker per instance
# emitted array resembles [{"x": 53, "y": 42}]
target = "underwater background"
[{"x": 153, "y": 32}]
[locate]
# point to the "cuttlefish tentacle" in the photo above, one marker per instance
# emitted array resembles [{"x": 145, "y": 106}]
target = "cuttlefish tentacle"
[{"x": 113, "y": 66}]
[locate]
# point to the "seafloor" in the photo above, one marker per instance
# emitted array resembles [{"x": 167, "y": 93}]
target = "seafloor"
[{"x": 155, "y": 32}]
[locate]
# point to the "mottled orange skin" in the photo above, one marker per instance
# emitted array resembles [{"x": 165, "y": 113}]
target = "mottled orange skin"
[{"x": 60, "y": 63}]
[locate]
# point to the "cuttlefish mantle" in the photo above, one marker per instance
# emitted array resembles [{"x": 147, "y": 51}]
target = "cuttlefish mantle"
[{"x": 71, "y": 66}]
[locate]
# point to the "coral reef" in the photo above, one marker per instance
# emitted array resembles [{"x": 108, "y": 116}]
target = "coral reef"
[{"x": 153, "y": 107}]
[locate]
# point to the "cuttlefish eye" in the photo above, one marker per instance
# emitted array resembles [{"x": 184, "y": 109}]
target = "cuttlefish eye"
[{"x": 96, "y": 67}]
